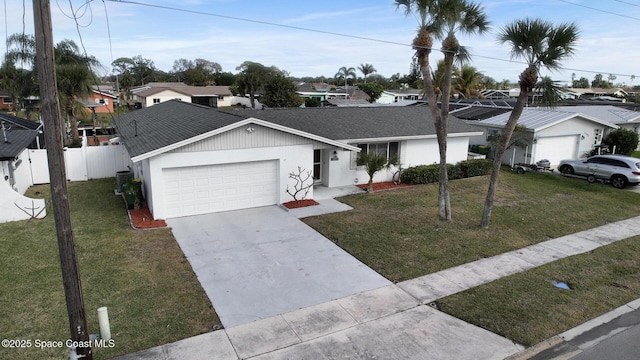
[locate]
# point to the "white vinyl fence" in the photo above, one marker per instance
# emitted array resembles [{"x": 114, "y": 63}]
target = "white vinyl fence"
[{"x": 85, "y": 163}]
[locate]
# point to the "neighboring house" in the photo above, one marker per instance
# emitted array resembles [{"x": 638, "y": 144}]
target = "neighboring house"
[
  {"x": 624, "y": 118},
  {"x": 155, "y": 93},
  {"x": 11, "y": 123},
  {"x": 194, "y": 160},
  {"x": 393, "y": 96},
  {"x": 6, "y": 101},
  {"x": 16, "y": 177},
  {"x": 609, "y": 94},
  {"x": 101, "y": 101},
  {"x": 323, "y": 92},
  {"x": 479, "y": 109},
  {"x": 550, "y": 134}
]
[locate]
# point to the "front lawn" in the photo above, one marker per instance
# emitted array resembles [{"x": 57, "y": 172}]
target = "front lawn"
[
  {"x": 526, "y": 308},
  {"x": 142, "y": 277},
  {"x": 398, "y": 234}
]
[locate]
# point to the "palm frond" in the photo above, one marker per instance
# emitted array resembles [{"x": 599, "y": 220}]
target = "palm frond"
[{"x": 549, "y": 91}]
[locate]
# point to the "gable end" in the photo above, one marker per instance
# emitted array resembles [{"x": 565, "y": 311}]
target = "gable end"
[{"x": 249, "y": 136}]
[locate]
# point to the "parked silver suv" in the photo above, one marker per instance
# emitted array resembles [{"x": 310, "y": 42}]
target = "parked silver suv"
[{"x": 618, "y": 169}]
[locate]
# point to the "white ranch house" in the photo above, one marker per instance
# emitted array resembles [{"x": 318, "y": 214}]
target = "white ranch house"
[{"x": 194, "y": 159}]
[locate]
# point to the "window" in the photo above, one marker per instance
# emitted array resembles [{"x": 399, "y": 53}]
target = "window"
[
  {"x": 102, "y": 101},
  {"x": 156, "y": 101},
  {"x": 390, "y": 149}
]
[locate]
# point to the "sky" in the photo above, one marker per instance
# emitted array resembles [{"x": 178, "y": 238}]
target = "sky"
[{"x": 317, "y": 38}]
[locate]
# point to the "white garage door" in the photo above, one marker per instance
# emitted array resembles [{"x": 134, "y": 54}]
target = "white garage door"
[
  {"x": 557, "y": 148},
  {"x": 212, "y": 188}
]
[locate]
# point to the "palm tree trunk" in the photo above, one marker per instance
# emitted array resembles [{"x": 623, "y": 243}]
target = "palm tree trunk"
[
  {"x": 444, "y": 210},
  {"x": 497, "y": 160},
  {"x": 444, "y": 200}
]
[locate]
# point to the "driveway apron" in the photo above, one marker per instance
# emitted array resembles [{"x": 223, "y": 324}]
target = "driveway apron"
[{"x": 261, "y": 262}]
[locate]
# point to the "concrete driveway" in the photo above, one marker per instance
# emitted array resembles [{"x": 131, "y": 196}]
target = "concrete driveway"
[{"x": 261, "y": 262}]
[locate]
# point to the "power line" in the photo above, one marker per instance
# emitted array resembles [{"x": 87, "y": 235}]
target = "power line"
[
  {"x": 628, "y": 3},
  {"x": 600, "y": 10},
  {"x": 344, "y": 35}
]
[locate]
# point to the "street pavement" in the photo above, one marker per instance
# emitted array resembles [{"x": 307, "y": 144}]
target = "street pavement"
[{"x": 614, "y": 335}]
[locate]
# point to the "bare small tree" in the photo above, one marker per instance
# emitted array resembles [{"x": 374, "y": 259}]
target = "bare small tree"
[{"x": 301, "y": 188}]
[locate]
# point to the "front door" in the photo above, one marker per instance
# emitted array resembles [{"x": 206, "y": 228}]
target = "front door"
[{"x": 317, "y": 166}]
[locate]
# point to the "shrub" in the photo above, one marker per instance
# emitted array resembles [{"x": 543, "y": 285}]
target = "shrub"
[
  {"x": 476, "y": 167},
  {"x": 624, "y": 140},
  {"x": 422, "y": 174},
  {"x": 426, "y": 174}
]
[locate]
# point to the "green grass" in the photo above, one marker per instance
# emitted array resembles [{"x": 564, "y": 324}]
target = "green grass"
[
  {"x": 398, "y": 234},
  {"x": 526, "y": 308},
  {"x": 142, "y": 277}
]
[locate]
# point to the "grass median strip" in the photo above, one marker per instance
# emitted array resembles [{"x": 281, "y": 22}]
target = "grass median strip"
[
  {"x": 398, "y": 234},
  {"x": 142, "y": 277},
  {"x": 528, "y": 309}
]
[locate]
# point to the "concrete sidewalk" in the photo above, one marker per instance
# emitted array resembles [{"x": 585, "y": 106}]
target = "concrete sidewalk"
[{"x": 392, "y": 322}]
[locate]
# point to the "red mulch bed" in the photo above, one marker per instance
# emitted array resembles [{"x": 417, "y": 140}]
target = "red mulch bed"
[
  {"x": 299, "y": 204},
  {"x": 142, "y": 219},
  {"x": 383, "y": 186}
]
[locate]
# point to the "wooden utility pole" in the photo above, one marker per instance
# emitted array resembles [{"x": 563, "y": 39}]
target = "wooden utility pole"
[{"x": 50, "y": 109}]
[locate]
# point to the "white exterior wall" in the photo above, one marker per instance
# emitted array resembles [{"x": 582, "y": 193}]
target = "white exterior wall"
[
  {"x": 386, "y": 98},
  {"x": 15, "y": 206},
  {"x": 22, "y": 173},
  {"x": 165, "y": 96},
  {"x": 412, "y": 153},
  {"x": 288, "y": 158},
  {"x": 577, "y": 126}
]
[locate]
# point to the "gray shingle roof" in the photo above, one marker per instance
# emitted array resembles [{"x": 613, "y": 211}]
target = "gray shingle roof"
[
  {"x": 345, "y": 123},
  {"x": 17, "y": 142},
  {"x": 16, "y": 122},
  {"x": 173, "y": 121},
  {"x": 167, "y": 123}
]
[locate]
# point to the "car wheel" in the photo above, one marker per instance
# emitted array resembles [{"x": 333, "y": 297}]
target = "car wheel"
[
  {"x": 591, "y": 178},
  {"x": 566, "y": 170},
  {"x": 520, "y": 171},
  {"x": 618, "y": 182}
]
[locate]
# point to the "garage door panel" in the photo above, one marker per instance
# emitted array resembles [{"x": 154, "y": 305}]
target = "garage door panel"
[
  {"x": 557, "y": 148},
  {"x": 213, "y": 188}
]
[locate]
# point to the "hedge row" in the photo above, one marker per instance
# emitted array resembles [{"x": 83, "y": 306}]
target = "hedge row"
[{"x": 425, "y": 174}]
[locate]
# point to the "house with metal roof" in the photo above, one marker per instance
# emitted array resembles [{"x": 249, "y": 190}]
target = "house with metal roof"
[
  {"x": 194, "y": 159},
  {"x": 550, "y": 134}
]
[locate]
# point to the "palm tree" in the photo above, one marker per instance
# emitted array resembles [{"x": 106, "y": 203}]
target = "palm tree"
[
  {"x": 374, "y": 162},
  {"x": 458, "y": 16},
  {"x": 468, "y": 81},
  {"x": 438, "y": 77},
  {"x": 345, "y": 73},
  {"x": 540, "y": 44},
  {"x": 74, "y": 72},
  {"x": 366, "y": 69},
  {"x": 429, "y": 26},
  {"x": 74, "y": 78}
]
